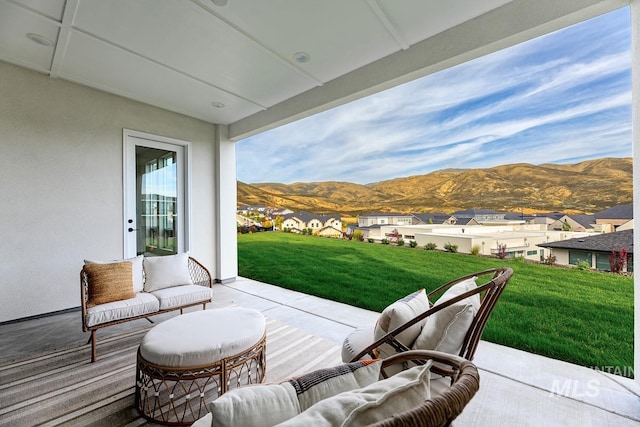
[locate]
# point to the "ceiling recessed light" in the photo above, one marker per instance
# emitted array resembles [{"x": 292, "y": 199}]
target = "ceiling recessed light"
[
  {"x": 218, "y": 104},
  {"x": 41, "y": 40},
  {"x": 220, "y": 2},
  {"x": 302, "y": 57}
]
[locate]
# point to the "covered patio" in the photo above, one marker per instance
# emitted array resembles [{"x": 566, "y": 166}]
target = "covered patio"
[
  {"x": 517, "y": 388},
  {"x": 84, "y": 82}
]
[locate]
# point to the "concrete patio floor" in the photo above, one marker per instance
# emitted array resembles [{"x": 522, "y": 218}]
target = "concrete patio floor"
[{"x": 517, "y": 388}]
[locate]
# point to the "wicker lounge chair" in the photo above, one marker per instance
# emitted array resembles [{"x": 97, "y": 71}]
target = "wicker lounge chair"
[
  {"x": 489, "y": 293},
  {"x": 443, "y": 406},
  {"x": 443, "y": 400}
]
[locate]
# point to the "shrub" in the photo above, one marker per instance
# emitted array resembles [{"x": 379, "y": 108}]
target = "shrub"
[
  {"x": 385, "y": 241},
  {"x": 618, "y": 259},
  {"x": 451, "y": 247},
  {"x": 400, "y": 242},
  {"x": 357, "y": 235},
  {"x": 286, "y": 230},
  {"x": 550, "y": 260},
  {"x": 430, "y": 246},
  {"x": 413, "y": 243},
  {"x": 475, "y": 250},
  {"x": 583, "y": 265}
]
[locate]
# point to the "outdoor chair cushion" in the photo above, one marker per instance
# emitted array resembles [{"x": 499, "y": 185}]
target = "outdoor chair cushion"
[
  {"x": 263, "y": 405},
  {"x": 109, "y": 282},
  {"x": 138, "y": 274},
  {"x": 357, "y": 341},
  {"x": 166, "y": 271},
  {"x": 141, "y": 304},
  {"x": 368, "y": 405},
  {"x": 179, "y": 296},
  {"x": 398, "y": 314},
  {"x": 445, "y": 330}
]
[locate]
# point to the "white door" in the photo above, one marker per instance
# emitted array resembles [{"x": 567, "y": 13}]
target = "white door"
[{"x": 155, "y": 208}]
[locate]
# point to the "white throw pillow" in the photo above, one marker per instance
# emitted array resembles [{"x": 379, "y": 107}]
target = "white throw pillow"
[
  {"x": 373, "y": 403},
  {"x": 166, "y": 271},
  {"x": 267, "y": 405},
  {"x": 318, "y": 385},
  {"x": 138, "y": 273},
  {"x": 445, "y": 330},
  {"x": 398, "y": 314},
  {"x": 255, "y": 406}
]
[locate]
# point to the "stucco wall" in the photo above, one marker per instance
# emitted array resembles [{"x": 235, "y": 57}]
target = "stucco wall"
[{"x": 61, "y": 168}]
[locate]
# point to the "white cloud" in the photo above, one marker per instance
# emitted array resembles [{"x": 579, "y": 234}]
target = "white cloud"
[{"x": 560, "y": 97}]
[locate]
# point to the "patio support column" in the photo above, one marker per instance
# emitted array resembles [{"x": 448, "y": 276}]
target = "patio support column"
[
  {"x": 635, "y": 125},
  {"x": 225, "y": 230}
]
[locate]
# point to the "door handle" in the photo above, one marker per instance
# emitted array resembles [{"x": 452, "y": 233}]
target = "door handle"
[{"x": 132, "y": 229}]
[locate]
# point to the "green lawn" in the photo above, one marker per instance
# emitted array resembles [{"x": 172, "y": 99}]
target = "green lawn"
[{"x": 582, "y": 317}]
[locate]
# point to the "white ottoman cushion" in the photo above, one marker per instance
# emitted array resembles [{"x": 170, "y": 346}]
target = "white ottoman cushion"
[{"x": 202, "y": 338}]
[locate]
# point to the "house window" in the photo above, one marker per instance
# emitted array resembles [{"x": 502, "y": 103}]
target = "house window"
[
  {"x": 602, "y": 261},
  {"x": 576, "y": 256},
  {"x": 409, "y": 236},
  {"x": 630, "y": 263},
  {"x": 529, "y": 253}
]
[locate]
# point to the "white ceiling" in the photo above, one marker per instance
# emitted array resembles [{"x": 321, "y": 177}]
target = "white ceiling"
[{"x": 184, "y": 55}]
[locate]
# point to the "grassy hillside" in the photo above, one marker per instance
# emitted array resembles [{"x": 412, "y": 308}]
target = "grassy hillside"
[
  {"x": 584, "y": 187},
  {"x": 578, "y": 316}
]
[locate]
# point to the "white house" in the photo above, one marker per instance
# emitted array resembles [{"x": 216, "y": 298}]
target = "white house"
[
  {"x": 98, "y": 98},
  {"x": 324, "y": 225}
]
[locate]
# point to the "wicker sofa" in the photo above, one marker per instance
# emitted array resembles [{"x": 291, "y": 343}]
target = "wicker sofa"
[{"x": 120, "y": 291}]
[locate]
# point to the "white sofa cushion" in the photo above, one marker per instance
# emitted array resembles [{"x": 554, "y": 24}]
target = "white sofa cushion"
[
  {"x": 166, "y": 271},
  {"x": 142, "y": 304},
  {"x": 446, "y": 329},
  {"x": 138, "y": 273},
  {"x": 178, "y": 296}
]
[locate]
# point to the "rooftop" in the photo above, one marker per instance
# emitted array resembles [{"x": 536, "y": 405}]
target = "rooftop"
[
  {"x": 601, "y": 242},
  {"x": 517, "y": 388}
]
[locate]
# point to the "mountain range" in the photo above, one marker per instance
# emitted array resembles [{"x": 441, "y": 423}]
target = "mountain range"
[{"x": 585, "y": 187}]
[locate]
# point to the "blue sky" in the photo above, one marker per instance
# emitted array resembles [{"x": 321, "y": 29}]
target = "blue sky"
[{"x": 561, "y": 98}]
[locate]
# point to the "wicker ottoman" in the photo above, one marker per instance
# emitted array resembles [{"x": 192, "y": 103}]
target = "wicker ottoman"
[{"x": 191, "y": 359}]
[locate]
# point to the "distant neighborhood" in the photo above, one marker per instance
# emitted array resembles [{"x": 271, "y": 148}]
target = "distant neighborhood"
[{"x": 586, "y": 241}]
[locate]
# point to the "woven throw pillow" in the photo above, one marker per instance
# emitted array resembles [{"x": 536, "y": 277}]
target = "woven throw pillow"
[
  {"x": 445, "y": 330},
  {"x": 398, "y": 314},
  {"x": 109, "y": 282},
  {"x": 318, "y": 385},
  {"x": 255, "y": 406},
  {"x": 166, "y": 271},
  {"x": 138, "y": 275},
  {"x": 368, "y": 405}
]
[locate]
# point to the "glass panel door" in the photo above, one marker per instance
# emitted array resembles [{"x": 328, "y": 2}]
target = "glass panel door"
[{"x": 156, "y": 196}]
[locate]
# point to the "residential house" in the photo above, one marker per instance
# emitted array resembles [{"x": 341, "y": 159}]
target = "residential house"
[
  {"x": 615, "y": 216},
  {"x": 385, "y": 218},
  {"x": 574, "y": 223},
  {"x": 480, "y": 215},
  {"x": 434, "y": 218},
  {"x": 252, "y": 209},
  {"x": 322, "y": 225},
  {"x": 96, "y": 94},
  {"x": 594, "y": 250}
]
